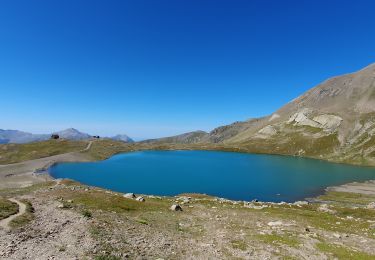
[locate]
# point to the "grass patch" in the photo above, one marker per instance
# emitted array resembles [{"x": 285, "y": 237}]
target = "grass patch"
[
  {"x": 25, "y": 218},
  {"x": 279, "y": 239},
  {"x": 239, "y": 244},
  {"x": 141, "y": 221},
  {"x": 7, "y": 208},
  {"x": 110, "y": 202},
  {"x": 309, "y": 215},
  {"x": 87, "y": 214},
  {"x": 347, "y": 198},
  {"x": 13, "y": 153},
  {"x": 342, "y": 252}
]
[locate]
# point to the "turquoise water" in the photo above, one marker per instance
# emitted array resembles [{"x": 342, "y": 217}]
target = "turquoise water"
[{"x": 229, "y": 175}]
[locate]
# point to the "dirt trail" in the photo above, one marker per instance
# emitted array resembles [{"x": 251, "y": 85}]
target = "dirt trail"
[
  {"x": 23, "y": 174},
  {"x": 21, "y": 210},
  {"x": 88, "y": 147}
]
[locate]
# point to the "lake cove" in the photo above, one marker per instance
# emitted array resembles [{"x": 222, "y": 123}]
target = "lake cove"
[{"x": 236, "y": 176}]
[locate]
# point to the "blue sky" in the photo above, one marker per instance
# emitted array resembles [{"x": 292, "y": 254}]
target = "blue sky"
[{"x": 158, "y": 68}]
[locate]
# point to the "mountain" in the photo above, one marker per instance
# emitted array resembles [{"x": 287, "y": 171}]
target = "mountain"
[
  {"x": 15, "y": 136},
  {"x": 123, "y": 138},
  {"x": 335, "y": 120},
  {"x": 187, "y": 138},
  {"x": 73, "y": 134}
]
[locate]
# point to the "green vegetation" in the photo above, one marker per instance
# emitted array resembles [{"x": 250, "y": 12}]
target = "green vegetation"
[
  {"x": 239, "y": 244},
  {"x": 274, "y": 238},
  {"x": 87, "y": 214},
  {"x": 346, "y": 197},
  {"x": 24, "y": 218},
  {"x": 102, "y": 149},
  {"x": 7, "y": 208},
  {"x": 343, "y": 253},
  {"x": 13, "y": 153},
  {"x": 141, "y": 221}
]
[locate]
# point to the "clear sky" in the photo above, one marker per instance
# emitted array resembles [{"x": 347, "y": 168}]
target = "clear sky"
[{"x": 156, "y": 68}]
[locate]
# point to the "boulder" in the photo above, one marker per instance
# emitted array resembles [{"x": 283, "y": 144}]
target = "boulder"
[
  {"x": 325, "y": 208},
  {"x": 176, "y": 207},
  {"x": 300, "y": 203},
  {"x": 129, "y": 196},
  {"x": 141, "y": 199},
  {"x": 371, "y": 205},
  {"x": 275, "y": 223}
]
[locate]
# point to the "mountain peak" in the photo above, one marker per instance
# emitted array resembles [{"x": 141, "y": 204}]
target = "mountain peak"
[{"x": 123, "y": 138}]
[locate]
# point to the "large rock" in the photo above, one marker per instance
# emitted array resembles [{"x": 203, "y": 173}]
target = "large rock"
[
  {"x": 328, "y": 122},
  {"x": 325, "y": 208},
  {"x": 301, "y": 118},
  {"x": 371, "y": 205},
  {"x": 129, "y": 196},
  {"x": 176, "y": 207}
]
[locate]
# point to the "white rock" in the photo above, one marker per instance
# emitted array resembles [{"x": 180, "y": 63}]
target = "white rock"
[
  {"x": 371, "y": 205},
  {"x": 129, "y": 195},
  {"x": 141, "y": 199},
  {"x": 275, "y": 223},
  {"x": 337, "y": 235},
  {"x": 328, "y": 122},
  {"x": 301, "y": 118},
  {"x": 300, "y": 203},
  {"x": 176, "y": 207},
  {"x": 268, "y": 131},
  {"x": 325, "y": 208}
]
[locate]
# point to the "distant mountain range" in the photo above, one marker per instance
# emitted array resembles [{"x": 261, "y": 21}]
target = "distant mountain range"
[
  {"x": 15, "y": 136},
  {"x": 334, "y": 120}
]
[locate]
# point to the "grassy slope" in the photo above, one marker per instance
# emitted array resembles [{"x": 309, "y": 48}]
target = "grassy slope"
[
  {"x": 25, "y": 218},
  {"x": 13, "y": 153},
  {"x": 294, "y": 142}
]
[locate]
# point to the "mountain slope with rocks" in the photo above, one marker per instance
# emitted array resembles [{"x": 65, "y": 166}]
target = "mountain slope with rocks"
[
  {"x": 73, "y": 134},
  {"x": 334, "y": 120},
  {"x": 187, "y": 138},
  {"x": 122, "y": 137}
]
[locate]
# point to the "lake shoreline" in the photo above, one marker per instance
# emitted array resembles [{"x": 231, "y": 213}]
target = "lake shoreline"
[{"x": 31, "y": 172}]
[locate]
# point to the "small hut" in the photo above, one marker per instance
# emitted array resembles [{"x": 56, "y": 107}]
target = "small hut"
[{"x": 55, "y": 136}]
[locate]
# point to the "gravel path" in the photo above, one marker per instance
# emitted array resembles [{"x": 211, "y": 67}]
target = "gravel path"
[{"x": 4, "y": 223}]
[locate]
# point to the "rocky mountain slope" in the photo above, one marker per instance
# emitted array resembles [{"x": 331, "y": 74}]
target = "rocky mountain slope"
[
  {"x": 187, "y": 138},
  {"x": 123, "y": 138},
  {"x": 334, "y": 120},
  {"x": 73, "y": 134}
]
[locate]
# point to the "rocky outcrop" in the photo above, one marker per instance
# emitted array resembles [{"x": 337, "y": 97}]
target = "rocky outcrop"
[
  {"x": 328, "y": 122},
  {"x": 266, "y": 132}
]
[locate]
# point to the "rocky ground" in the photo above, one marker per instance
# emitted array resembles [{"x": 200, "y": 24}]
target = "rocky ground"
[{"x": 73, "y": 221}]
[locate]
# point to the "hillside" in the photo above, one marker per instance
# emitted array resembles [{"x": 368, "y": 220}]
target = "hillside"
[
  {"x": 187, "y": 138},
  {"x": 334, "y": 120}
]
